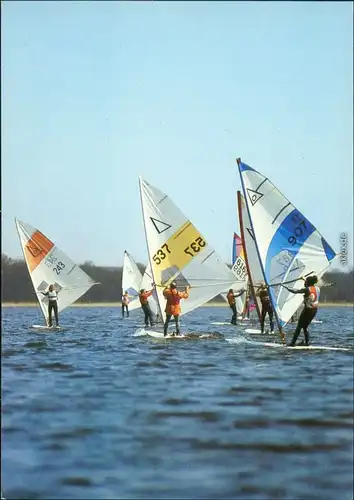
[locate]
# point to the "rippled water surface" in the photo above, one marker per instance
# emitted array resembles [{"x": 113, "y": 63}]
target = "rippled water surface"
[{"x": 101, "y": 412}]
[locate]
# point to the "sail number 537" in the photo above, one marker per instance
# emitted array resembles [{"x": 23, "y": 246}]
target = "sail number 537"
[
  {"x": 195, "y": 246},
  {"x": 161, "y": 253},
  {"x": 192, "y": 249}
]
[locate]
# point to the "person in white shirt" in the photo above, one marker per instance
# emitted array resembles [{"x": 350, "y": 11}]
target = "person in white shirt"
[
  {"x": 125, "y": 303},
  {"x": 52, "y": 305}
]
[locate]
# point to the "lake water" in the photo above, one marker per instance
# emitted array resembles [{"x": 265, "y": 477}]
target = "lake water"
[{"x": 99, "y": 412}]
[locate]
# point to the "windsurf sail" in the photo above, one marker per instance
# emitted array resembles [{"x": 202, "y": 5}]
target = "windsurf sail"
[
  {"x": 254, "y": 269},
  {"x": 240, "y": 271},
  {"x": 48, "y": 265},
  {"x": 289, "y": 247},
  {"x": 147, "y": 284},
  {"x": 133, "y": 281},
  {"x": 178, "y": 252}
]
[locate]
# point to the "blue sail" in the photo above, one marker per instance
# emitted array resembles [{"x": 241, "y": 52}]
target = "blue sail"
[{"x": 289, "y": 246}]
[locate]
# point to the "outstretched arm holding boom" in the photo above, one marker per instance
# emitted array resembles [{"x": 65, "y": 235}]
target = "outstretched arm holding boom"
[{"x": 301, "y": 290}]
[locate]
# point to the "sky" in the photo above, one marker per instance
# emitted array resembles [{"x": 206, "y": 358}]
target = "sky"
[{"x": 95, "y": 94}]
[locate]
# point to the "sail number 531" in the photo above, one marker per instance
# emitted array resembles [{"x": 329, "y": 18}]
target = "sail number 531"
[{"x": 195, "y": 246}]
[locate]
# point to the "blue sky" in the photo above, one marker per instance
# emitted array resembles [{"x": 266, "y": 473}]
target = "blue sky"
[{"x": 95, "y": 94}]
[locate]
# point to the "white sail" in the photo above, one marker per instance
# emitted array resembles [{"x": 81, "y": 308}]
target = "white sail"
[
  {"x": 131, "y": 281},
  {"x": 289, "y": 247},
  {"x": 147, "y": 284},
  {"x": 253, "y": 265},
  {"x": 178, "y": 252},
  {"x": 48, "y": 265},
  {"x": 240, "y": 271}
]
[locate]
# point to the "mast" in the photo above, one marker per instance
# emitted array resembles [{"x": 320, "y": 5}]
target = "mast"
[
  {"x": 245, "y": 252},
  {"x": 28, "y": 269},
  {"x": 234, "y": 257},
  {"x": 148, "y": 249}
]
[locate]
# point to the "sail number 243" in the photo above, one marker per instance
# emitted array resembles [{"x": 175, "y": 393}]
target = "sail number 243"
[{"x": 56, "y": 264}]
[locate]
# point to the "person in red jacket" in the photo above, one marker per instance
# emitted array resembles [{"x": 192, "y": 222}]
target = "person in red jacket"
[
  {"x": 173, "y": 307},
  {"x": 144, "y": 301},
  {"x": 231, "y": 296}
]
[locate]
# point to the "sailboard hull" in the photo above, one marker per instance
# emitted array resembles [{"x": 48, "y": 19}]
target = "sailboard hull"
[
  {"x": 256, "y": 331},
  {"x": 307, "y": 347},
  {"x": 48, "y": 329},
  {"x": 228, "y": 323},
  {"x": 160, "y": 335}
]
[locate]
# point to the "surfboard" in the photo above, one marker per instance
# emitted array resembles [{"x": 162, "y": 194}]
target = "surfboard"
[
  {"x": 159, "y": 335},
  {"x": 308, "y": 347},
  {"x": 253, "y": 331},
  {"x": 226, "y": 323},
  {"x": 222, "y": 323},
  {"x": 48, "y": 329},
  {"x": 256, "y": 331}
]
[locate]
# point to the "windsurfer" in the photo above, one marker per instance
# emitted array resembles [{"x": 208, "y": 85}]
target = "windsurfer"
[
  {"x": 266, "y": 307},
  {"x": 144, "y": 301},
  {"x": 125, "y": 303},
  {"x": 173, "y": 307},
  {"x": 52, "y": 305},
  {"x": 311, "y": 294},
  {"x": 249, "y": 305},
  {"x": 246, "y": 309},
  {"x": 231, "y": 296}
]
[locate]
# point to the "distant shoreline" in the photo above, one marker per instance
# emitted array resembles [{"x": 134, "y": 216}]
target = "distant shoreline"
[{"x": 118, "y": 304}]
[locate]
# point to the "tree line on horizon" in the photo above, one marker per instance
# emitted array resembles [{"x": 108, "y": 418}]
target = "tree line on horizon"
[{"x": 17, "y": 285}]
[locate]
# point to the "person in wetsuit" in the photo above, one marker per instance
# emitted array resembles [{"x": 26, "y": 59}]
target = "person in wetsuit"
[
  {"x": 173, "y": 307},
  {"x": 52, "y": 305},
  {"x": 125, "y": 303},
  {"x": 144, "y": 301},
  {"x": 311, "y": 294},
  {"x": 231, "y": 296},
  {"x": 266, "y": 308},
  {"x": 246, "y": 310}
]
